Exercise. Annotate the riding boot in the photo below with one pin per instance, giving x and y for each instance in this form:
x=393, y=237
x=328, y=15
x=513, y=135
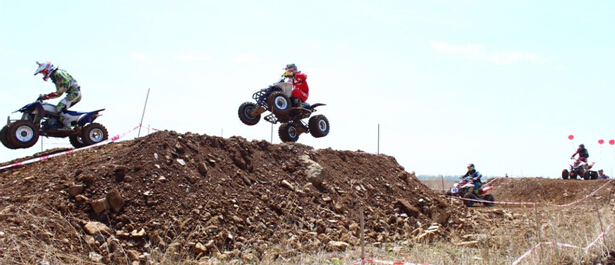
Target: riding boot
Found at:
x=65, y=120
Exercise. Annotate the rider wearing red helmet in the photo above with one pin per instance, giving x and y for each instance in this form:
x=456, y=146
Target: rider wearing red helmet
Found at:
x=301, y=91
x=64, y=83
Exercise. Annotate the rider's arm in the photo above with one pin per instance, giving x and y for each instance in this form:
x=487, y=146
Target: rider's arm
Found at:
x=63, y=82
x=478, y=176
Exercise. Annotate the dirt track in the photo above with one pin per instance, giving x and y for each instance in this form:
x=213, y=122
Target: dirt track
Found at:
x=236, y=199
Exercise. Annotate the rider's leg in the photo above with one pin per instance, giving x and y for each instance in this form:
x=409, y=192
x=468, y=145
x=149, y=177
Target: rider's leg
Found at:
x=64, y=104
x=470, y=190
x=477, y=186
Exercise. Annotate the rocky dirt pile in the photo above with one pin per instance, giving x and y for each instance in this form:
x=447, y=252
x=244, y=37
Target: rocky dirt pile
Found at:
x=214, y=197
x=547, y=191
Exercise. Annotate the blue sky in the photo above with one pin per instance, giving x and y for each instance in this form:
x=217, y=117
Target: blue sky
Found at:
x=497, y=83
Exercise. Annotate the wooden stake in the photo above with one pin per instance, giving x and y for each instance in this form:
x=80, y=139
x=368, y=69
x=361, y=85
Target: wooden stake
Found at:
x=362, y=235
x=538, y=226
x=601, y=225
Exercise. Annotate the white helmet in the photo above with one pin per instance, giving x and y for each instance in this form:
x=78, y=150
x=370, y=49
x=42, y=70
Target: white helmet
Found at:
x=46, y=69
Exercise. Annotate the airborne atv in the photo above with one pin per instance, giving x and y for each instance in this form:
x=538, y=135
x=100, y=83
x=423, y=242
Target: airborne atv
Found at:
x=276, y=99
x=41, y=119
x=581, y=169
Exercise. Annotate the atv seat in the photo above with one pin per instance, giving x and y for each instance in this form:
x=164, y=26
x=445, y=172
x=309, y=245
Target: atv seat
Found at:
x=77, y=113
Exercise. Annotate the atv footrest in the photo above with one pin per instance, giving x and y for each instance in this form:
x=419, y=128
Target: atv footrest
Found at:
x=271, y=118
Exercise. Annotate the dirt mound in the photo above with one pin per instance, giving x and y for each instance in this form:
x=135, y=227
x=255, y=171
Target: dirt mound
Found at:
x=545, y=191
x=211, y=196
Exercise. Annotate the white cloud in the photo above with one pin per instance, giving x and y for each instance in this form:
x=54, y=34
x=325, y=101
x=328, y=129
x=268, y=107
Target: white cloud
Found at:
x=139, y=56
x=193, y=56
x=480, y=52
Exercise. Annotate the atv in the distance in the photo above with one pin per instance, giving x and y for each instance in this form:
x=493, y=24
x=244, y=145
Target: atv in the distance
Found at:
x=581, y=169
x=276, y=99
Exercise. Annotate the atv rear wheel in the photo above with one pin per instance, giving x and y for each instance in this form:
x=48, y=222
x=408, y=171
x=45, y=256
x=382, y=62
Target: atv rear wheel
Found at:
x=5, y=139
x=319, y=126
x=245, y=113
x=565, y=174
x=76, y=141
x=22, y=134
x=288, y=132
x=573, y=175
x=469, y=196
x=586, y=175
x=279, y=103
x=94, y=133
x=490, y=198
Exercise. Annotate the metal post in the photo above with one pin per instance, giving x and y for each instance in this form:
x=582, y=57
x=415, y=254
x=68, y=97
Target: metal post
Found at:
x=378, y=150
x=140, y=123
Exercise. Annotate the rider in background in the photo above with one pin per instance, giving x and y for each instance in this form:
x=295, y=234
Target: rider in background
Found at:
x=601, y=174
x=64, y=83
x=582, y=152
x=475, y=176
x=301, y=91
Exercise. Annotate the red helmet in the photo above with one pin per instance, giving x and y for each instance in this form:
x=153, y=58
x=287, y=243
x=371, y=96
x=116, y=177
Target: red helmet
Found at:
x=46, y=69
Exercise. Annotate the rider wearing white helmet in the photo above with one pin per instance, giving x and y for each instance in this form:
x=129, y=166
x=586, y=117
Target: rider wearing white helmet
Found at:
x=64, y=83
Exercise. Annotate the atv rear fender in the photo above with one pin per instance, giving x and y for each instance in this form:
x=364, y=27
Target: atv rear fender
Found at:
x=89, y=117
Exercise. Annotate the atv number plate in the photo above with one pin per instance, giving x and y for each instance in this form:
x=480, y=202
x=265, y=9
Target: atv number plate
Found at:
x=454, y=190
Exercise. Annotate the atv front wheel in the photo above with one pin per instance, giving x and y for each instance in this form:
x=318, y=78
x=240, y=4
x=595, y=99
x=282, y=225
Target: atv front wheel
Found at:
x=245, y=113
x=288, y=132
x=565, y=174
x=22, y=134
x=470, y=196
x=4, y=137
x=319, y=126
x=573, y=175
x=279, y=103
x=586, y=175
x=94, y=133
x=490, y=198
x=593, y=175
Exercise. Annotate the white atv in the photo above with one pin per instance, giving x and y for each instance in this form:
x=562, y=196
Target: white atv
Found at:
x=41, y=119
x=277, y=99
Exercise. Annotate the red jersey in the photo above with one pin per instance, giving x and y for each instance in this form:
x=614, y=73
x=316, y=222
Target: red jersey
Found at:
x=300, y=87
